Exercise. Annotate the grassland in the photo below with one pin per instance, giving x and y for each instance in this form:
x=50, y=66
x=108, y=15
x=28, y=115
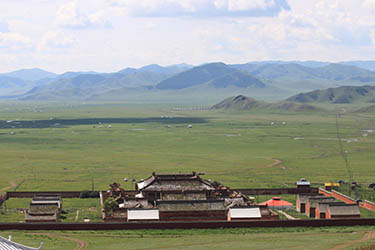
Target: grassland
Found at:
x=67, y=146
x=233, y=148
x=276, y=238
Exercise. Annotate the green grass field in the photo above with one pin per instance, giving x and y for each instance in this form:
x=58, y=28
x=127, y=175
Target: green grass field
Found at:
x=276, y=238
x=233, y=148
x=56, y=147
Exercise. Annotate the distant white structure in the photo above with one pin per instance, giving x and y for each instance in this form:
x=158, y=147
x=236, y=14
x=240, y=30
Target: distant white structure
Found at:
x=284, y=123
x=109, y=126
x=143, y=214
x=190, y=126
x=244, y=213
x=272, y=123
x=12, y=133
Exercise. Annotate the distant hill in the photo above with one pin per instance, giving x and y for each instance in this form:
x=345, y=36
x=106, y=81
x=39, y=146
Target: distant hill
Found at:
x=293, y=106
x=169, y=70
x=11, y=82
x=71, y=74
x=331, y=71
x=338, y=72
x=12, y=85
x=273, y=71
x=30, y=74
x=267, y=80
x=369, y=65
x=83, y=86
x=368, y=109
x=155, y=68
x=310, y=64
x=219, y=75
x=345, y=94
x=241, y=102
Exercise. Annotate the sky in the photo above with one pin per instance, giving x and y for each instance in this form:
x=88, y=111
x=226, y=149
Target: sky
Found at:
x=109, y=35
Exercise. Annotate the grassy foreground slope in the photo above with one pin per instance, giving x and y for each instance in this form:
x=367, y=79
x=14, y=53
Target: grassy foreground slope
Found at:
x=277, y=238
x=236, y=148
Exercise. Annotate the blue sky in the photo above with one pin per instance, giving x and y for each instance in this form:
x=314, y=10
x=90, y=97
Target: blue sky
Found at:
x=108, y=35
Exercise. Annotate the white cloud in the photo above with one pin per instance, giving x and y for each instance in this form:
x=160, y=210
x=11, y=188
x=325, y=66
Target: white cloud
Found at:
x=14, y=41
x=56, y=40
x=201, y=8
x=243, y=5
x=70, y=16
x=372, y=36
x=195, y=31
x=4, y=27
x=369, y=4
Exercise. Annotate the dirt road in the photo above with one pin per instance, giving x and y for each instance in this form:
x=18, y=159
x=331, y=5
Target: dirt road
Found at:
x=12, y=185
x=274, y=163
x=366, y=237
x=81, y=244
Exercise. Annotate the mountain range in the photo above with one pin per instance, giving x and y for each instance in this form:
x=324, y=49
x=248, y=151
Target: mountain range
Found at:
x=268, y=80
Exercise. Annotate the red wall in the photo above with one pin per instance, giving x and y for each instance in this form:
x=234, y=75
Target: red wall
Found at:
x=343, y=197
x=324, y=192
x=188, y=224
x=368, y=205
x=338, y=196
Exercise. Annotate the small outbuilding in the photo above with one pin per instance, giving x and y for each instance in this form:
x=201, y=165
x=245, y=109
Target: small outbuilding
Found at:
x=302, y=200
x=313, y=202
x=143, y=214
x=244, y=213
x=343, y=210
x=329, y=186
x=303, y=186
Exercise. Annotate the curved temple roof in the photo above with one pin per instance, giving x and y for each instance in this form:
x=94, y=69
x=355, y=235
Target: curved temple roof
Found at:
x=10, y=245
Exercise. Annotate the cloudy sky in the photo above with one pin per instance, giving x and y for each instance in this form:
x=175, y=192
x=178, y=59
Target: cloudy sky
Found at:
x=108, y=35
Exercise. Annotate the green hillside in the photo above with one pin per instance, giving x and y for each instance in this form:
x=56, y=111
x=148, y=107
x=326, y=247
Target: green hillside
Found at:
x=241, y=102
x=218, y=74
x=208, y=83
x=85, y=85
x=345, y=94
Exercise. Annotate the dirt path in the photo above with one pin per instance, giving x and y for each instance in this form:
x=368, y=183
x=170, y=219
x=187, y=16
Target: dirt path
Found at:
x=366, y=237
x=12, y=185
x=81, y=244
x=274, y=163
x=288, y=216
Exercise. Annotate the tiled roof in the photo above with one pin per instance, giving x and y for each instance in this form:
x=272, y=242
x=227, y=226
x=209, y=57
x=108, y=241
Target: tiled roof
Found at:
x=276, y=202
x=344, y=209
x=171, y=182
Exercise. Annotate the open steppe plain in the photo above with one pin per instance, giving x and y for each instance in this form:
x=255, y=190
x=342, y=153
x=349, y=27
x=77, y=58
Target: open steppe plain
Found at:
x=71, y=146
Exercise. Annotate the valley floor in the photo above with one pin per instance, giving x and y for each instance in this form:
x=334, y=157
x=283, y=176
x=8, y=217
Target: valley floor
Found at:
x=72, y=147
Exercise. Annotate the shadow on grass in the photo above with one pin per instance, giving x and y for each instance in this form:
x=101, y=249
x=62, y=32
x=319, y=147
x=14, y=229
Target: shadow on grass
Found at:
x=97, y=121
